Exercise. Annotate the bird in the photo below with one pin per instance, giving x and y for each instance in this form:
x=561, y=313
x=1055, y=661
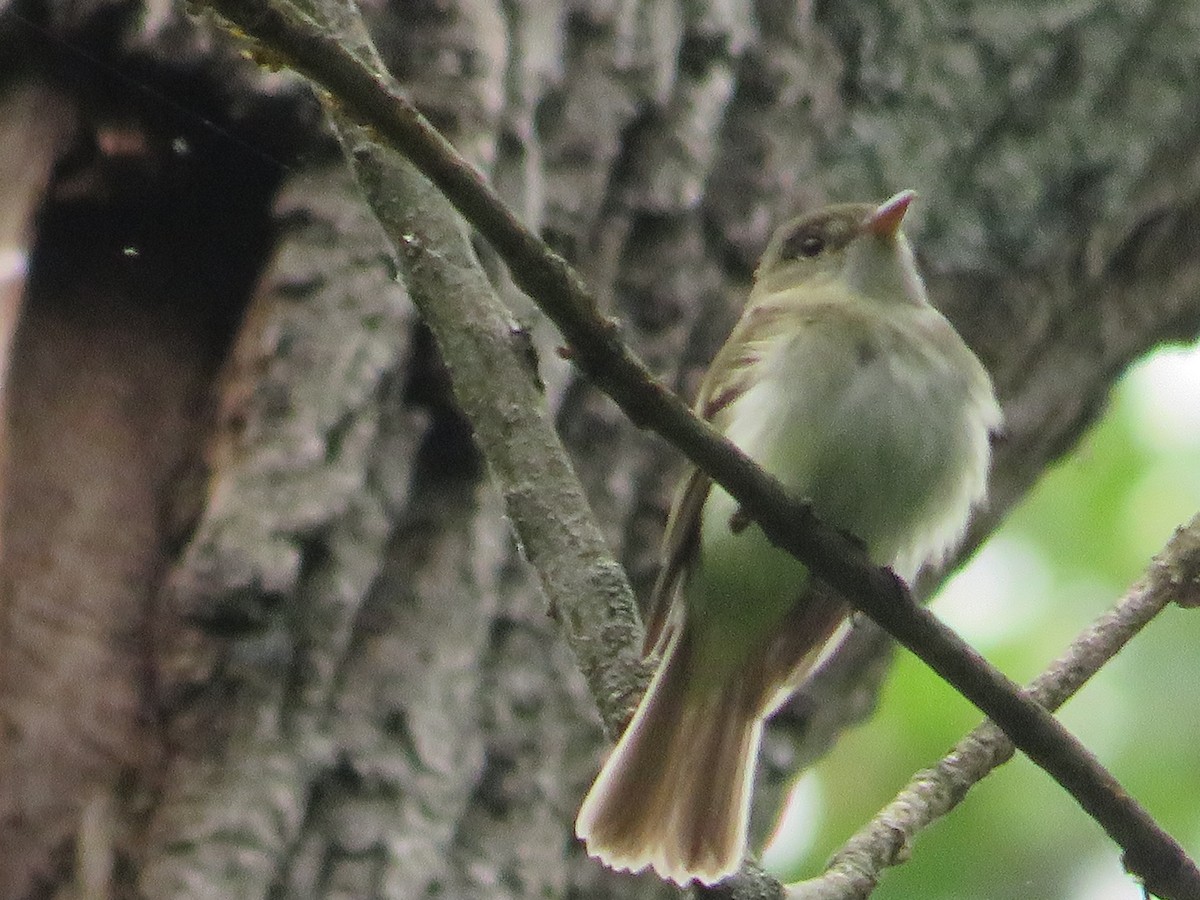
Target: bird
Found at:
x=844, y=382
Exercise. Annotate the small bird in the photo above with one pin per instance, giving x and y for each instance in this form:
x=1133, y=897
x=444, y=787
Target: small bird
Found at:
x=843, y=382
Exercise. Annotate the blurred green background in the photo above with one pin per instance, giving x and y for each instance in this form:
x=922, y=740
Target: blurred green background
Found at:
x=1064, y=556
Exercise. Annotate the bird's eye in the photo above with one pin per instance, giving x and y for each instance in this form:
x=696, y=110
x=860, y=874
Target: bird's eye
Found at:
x=811, y=246
x=803, y=244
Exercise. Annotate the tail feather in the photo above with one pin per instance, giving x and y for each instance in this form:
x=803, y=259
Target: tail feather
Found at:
x=675, y=792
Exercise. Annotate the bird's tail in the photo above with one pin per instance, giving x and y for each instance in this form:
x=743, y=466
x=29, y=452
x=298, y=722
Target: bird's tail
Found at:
x=675, y=792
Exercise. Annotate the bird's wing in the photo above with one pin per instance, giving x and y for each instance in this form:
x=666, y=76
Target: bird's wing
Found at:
x=730, y=375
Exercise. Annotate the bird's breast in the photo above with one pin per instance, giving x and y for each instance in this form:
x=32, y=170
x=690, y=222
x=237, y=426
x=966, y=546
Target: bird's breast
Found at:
x=884, y=432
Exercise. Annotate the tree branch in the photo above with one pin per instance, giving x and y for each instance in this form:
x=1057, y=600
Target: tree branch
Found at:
x=855, y=869
x=285, y=35
x=495, y=382
x=494, y=375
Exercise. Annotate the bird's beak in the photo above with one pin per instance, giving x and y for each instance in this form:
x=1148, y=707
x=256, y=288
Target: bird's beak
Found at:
x=885, y=221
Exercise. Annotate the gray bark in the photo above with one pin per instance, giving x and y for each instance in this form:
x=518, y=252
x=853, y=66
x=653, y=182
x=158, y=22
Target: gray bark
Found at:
x=265, y=631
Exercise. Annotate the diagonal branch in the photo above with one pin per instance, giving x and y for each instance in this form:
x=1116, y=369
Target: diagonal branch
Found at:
x=285, y=35
x=1173, y=576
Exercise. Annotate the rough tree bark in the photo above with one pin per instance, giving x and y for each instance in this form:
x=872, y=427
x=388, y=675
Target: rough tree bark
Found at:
x=264, y=631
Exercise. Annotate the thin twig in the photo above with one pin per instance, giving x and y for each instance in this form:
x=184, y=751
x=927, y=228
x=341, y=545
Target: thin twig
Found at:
x=288, y=36
x=855, y=869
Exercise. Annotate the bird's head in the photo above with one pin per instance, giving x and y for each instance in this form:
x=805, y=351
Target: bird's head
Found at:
x=861, y=243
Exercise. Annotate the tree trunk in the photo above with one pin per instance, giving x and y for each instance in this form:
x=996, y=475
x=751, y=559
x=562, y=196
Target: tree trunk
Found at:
x=263, y=629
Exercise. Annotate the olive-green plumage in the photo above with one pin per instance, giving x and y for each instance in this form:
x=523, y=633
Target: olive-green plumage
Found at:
x=843, y=382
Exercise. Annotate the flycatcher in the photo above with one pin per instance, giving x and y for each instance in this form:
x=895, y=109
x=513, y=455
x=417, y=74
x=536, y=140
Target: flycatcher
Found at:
x=843, y=382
